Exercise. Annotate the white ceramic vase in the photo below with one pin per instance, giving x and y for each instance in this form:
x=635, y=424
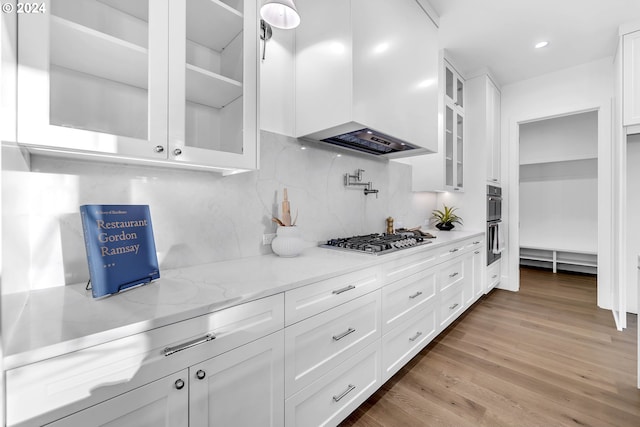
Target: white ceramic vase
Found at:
x=287, y=242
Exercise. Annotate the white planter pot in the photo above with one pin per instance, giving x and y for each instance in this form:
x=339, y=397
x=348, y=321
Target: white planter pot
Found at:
x=287, y=242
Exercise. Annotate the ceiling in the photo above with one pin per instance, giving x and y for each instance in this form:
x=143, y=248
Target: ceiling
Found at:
x=500, y=34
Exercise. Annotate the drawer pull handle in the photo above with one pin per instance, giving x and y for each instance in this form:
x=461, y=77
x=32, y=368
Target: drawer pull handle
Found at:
x=345, y=289
x=476, y=252
x=201, y=374
x=494, y=276
x=339, y=397
x=452, y=275
x=416, y=295
x=453, y=306
x=415, y=337
x=454, y=250
x=344, y=334
x=475, y=243
x=168, y=351
x=179, y=384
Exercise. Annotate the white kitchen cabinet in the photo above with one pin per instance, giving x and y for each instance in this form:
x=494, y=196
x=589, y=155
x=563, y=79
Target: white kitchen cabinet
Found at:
x=478, y=275
x=329, y=400
x=95, y=78
x=321, y=343
x=163, y=402
x=631, y=78
x=410, y=336
x=483, y=112
x=493, y=275
x=243, y=387
x=54, y=388
x=444, y=170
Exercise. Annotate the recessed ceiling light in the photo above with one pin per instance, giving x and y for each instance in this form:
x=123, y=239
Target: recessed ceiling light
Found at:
x=541, y=45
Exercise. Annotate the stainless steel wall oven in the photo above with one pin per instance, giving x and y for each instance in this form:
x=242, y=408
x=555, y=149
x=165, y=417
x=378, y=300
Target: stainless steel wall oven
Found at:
x=494, y=224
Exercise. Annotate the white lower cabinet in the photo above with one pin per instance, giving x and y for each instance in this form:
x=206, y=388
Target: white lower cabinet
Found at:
x=451, y=304
x=243, y=387
x=493, y=275
x=329, y=400
x=320, y=343
x=404, y=342
x=243, y=367
x=163, y=402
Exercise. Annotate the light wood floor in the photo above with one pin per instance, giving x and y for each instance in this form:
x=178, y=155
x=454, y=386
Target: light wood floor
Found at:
x=544, y=356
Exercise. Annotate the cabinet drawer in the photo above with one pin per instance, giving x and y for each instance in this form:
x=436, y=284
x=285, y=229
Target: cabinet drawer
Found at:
x=475, y=243
x=316, y=345
x=56, y=387
x=451, y=304
x=404, y=267
x=406, y=296
x=317, y=297
x=404, y=342
x=452, y=250
x=451, y=273
x=330, y=399
x=493, y=275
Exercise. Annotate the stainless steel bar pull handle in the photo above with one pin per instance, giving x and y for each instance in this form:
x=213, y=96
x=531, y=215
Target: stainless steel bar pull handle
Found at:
x=339, y=397
x=415, y=337
x=453, y=274
x=453, y=306
x=344, y=334
x=168, y=351
x=345, y=289
x=416, y=295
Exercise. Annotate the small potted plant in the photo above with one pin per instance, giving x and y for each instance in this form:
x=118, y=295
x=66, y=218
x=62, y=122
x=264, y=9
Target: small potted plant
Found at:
x=446, y=218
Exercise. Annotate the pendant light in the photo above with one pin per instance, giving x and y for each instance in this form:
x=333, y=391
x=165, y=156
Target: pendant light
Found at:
x=280, y=13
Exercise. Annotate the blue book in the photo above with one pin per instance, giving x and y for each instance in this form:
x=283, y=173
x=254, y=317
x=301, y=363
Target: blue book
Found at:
x=121, y=251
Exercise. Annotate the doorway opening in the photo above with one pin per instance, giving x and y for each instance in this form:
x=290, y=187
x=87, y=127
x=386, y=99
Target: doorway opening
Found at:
x=558, y=193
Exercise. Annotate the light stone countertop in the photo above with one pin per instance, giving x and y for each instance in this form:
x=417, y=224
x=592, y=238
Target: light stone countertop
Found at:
x=64, y=319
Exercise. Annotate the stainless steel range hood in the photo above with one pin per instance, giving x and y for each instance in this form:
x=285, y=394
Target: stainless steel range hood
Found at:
x=371, y=142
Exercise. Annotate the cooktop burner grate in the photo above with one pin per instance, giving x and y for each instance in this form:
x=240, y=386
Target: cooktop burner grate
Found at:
x=377, y=244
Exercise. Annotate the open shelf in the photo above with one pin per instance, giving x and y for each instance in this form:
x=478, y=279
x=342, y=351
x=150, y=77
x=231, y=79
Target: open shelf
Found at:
x=212, y=23
x=559, y=257
x=91, y=52
x=210, y=89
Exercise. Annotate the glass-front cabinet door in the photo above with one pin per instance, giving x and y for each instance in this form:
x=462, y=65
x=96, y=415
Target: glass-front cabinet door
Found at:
x=91, y=77
x=212, y=86
x=168, y=81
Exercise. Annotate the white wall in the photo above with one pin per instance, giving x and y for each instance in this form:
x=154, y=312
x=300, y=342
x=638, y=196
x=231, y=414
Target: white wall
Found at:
x=577, y=89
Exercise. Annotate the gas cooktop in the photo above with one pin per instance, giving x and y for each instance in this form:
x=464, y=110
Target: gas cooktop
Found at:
x=377, y=244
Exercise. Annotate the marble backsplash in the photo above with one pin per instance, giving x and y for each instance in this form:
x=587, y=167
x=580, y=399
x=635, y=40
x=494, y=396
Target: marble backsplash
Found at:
x=198, y=217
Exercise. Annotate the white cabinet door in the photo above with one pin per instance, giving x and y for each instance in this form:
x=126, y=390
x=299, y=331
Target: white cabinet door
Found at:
x=213, y=72
x=444, y=170
x=243, y=387
x=478, y=276
x=493, y=132
x=161, y=403
x=92, y=77
x=631, y=79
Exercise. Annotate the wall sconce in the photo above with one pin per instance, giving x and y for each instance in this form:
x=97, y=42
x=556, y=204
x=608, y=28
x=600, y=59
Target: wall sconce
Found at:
x=279, y=13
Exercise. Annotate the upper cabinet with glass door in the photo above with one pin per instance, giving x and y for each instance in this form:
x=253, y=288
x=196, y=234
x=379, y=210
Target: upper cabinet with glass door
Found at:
x=453, y=129
x=103, y=78
x=92, y=77
x=213, y=82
